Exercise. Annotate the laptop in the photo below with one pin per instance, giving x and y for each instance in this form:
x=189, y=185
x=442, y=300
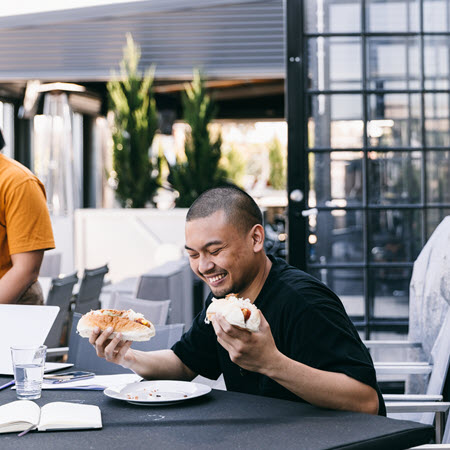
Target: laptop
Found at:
x=25, y=325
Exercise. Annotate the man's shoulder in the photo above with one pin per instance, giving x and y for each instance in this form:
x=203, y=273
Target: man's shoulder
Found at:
x=293, y=285
x=290, y=277
x=13, y=174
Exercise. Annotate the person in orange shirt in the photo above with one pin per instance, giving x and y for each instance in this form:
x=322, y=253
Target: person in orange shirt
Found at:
x=25, y=232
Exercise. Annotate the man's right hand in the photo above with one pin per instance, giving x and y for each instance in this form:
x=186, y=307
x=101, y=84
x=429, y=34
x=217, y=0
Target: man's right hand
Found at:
x=113, y=350
x=152, y=365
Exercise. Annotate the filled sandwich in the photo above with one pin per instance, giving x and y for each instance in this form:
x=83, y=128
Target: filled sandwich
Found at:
x=237, y=311
x=132, y=325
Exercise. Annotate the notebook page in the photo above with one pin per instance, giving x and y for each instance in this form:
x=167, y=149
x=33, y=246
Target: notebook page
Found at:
x=64, y=415
x=18, y=416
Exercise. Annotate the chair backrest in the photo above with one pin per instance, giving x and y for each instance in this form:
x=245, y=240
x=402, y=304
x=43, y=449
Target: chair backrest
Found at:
x=60, y=294
x=173, y=280
x=83, y=354
x=429, y=301
x=430, y=288
x=157, y=311
x=51, y=265
x=440, y=358
x=88, y=296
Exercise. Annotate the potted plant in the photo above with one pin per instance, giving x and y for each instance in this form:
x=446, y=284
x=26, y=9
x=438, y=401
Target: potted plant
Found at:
x=134, y=176
x=200, y=170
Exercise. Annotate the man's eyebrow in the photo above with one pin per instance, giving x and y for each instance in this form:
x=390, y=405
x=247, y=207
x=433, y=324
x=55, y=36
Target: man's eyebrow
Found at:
x=205, y=246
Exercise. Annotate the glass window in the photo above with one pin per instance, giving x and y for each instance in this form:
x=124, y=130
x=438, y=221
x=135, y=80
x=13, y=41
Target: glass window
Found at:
x=335, y=179
x=435, y=15
x=437, y=121
x=334, y=16
x=335, y=63
x=394, y=235
x=348, y=284
x=438, y=176
x=393, y=63
x=336, y=121
x=336, y=237
x=394, y=120
x=394, y=177
x=434, y=217
x=436, y=54
x=391, y=292
x=392, y=15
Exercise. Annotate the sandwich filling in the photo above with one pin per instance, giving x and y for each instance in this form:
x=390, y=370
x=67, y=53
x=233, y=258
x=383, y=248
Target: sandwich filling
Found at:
x=129, y=314
x=238, y=311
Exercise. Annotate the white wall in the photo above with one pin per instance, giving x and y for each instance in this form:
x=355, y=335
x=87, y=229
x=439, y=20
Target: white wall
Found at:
x=63, y=233
x=130, y=241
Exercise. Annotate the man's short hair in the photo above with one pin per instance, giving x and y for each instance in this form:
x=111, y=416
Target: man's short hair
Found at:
x=240, y=209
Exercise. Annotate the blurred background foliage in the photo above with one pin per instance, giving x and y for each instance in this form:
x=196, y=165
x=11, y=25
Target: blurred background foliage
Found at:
x=135, y=176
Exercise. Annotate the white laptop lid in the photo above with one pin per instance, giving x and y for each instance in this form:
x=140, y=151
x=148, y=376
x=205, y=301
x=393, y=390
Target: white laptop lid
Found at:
x=23, y=325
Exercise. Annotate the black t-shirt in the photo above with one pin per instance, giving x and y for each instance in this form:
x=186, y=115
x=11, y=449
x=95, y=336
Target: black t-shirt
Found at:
x=308, y=323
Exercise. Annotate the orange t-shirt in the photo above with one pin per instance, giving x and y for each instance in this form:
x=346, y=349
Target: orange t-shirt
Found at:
x=24, y=219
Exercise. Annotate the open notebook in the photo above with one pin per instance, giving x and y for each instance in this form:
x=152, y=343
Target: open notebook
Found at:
x=23, y=414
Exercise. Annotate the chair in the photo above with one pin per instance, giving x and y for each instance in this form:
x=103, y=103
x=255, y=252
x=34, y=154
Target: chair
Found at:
x=429, y=306
x=83, y=355
x=425, y=412
x=60, y=294
x=429, y=323
x=88, y=296
x=172, y=280
x=51, y=265
x=157, y=311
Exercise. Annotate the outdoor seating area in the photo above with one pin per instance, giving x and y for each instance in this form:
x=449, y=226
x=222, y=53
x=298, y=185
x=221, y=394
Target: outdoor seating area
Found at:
x=225, y=224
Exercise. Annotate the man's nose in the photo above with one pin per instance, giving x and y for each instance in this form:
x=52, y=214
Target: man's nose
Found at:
x=205, y=264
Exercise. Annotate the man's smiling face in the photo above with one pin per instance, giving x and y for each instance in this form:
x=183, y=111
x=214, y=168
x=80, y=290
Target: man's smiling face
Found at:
x=220, y=254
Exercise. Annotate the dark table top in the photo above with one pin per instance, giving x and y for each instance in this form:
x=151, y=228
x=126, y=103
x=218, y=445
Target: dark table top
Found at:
x=219, y=420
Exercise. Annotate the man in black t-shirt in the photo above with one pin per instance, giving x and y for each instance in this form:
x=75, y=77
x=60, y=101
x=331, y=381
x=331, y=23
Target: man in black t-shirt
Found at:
x=307, y=349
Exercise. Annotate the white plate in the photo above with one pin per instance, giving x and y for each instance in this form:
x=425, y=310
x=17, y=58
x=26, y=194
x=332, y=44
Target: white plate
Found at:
x=158, y=392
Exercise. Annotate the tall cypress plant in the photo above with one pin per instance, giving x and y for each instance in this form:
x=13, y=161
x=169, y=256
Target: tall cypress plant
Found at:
x=135, y=123
x=200, y=169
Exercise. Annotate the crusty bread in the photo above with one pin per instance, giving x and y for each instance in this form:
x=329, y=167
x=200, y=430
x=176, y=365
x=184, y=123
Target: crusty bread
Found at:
x=231, y=309
x=131, y=330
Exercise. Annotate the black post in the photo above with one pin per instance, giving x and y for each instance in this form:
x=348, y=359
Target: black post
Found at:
x=88, y=162
x=22, y=139
x=295, y=106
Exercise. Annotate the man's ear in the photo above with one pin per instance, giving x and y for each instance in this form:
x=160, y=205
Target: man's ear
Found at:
x=257, y=236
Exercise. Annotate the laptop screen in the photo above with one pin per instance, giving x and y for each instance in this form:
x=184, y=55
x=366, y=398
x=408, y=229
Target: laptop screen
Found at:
x=23, y=325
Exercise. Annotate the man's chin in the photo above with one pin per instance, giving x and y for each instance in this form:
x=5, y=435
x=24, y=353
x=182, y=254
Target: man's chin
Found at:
x=220, y=293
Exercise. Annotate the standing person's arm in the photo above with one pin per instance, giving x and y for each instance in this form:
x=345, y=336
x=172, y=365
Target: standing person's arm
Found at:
x=24, y=271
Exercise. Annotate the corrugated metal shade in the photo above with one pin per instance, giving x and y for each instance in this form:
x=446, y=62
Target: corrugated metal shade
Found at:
x=227, y=39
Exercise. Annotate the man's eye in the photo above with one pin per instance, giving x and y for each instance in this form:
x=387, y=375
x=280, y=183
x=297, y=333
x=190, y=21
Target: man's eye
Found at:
x=215, y=252
x=193, y=256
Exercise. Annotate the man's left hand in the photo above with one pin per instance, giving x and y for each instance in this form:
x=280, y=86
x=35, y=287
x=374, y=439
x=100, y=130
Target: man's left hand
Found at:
x=255, y=352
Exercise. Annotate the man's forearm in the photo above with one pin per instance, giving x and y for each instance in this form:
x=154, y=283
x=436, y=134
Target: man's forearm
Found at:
x=13, y=284
x=24, y=271
x=321, y=388
x=159, y=365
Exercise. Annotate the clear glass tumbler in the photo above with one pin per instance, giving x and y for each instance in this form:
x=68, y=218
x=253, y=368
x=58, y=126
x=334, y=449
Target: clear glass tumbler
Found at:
x=28, y=364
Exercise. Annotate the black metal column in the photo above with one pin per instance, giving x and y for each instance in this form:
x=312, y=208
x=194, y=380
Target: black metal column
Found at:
x=296, y=116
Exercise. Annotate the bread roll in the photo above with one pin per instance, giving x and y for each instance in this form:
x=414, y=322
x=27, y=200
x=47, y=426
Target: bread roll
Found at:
x=125, y=322
x=233, y=309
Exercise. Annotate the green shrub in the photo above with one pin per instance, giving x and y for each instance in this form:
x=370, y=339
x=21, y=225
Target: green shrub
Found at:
x=200, y=169
x=135, y=123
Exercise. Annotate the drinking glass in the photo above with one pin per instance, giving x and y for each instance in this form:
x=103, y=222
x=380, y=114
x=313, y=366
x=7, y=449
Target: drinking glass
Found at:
x=28, y=364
